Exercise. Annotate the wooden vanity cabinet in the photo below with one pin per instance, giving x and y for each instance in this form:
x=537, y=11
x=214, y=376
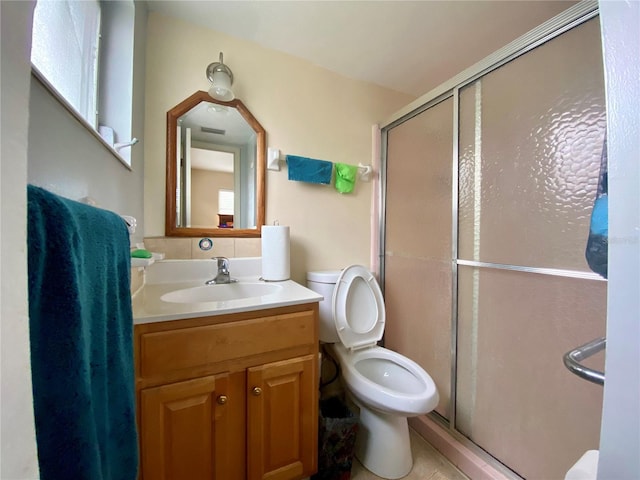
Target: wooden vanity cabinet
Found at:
x=229, y=397
x=187, y=429
x=282, y=433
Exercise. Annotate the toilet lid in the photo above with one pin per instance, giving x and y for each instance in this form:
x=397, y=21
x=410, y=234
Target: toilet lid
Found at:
x=358, y=308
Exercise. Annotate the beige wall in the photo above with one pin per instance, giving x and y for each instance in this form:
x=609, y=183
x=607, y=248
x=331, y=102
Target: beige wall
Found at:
x=305, y=110
x=204, y=195
x=18, y=452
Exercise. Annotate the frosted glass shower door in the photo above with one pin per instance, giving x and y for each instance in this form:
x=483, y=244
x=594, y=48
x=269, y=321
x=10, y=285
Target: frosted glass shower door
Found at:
x=418, y=243
x=531, y=139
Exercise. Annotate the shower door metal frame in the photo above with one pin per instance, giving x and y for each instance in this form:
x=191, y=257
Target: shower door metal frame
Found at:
x=571, y=18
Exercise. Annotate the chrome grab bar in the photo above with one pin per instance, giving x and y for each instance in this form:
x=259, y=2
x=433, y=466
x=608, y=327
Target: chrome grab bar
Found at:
x=572, y=359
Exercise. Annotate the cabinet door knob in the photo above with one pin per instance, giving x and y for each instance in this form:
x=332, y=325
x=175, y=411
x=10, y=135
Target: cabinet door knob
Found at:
x=222, y=399
x=257, y=391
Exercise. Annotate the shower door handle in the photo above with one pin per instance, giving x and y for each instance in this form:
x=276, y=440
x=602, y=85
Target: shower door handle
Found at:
x=572, y=360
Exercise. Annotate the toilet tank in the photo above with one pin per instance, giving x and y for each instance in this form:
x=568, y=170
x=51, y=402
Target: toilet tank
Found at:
x=324, y=282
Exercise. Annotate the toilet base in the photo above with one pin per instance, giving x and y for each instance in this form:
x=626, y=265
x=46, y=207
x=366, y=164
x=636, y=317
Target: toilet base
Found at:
x=382, y=443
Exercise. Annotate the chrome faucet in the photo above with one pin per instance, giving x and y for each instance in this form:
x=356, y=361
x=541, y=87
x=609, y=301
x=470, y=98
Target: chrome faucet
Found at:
x=223, y=275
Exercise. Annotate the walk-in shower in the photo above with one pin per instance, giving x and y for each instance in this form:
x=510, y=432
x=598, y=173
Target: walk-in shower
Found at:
x=488, y=188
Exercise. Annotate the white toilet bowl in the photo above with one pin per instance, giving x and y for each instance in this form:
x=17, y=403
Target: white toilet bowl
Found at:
x=386, y=386
x=387, y=381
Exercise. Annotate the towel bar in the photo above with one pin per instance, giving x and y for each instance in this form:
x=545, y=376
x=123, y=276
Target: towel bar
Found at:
x=572, y=360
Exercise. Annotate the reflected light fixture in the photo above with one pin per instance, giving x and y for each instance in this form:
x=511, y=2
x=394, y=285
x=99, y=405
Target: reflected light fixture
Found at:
x=216, y=109
x=221, y=79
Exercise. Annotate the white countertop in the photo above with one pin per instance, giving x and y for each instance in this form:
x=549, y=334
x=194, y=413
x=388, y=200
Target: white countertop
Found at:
x=148, y=307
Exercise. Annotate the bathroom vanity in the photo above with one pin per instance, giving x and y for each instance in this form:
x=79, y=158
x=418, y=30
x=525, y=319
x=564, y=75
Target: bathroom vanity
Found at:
x=230, y=392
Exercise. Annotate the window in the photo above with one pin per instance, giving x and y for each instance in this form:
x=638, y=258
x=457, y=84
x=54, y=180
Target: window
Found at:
x=225, y=202
x=83, y=52
x=65, y=50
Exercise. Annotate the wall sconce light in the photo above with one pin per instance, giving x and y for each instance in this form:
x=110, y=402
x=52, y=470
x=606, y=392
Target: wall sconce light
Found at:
x=221, y=79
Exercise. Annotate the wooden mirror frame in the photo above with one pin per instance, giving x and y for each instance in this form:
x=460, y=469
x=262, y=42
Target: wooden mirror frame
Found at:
x=171, y=230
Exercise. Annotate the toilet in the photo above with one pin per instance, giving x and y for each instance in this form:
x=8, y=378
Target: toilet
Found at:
x=386, y=386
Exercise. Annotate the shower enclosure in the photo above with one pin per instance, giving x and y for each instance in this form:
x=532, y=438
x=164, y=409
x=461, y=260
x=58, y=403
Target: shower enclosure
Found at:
x=488, y=189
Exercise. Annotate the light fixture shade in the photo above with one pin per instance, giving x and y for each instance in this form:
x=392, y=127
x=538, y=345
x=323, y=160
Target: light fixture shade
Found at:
x=221, y=79
x=221, y=87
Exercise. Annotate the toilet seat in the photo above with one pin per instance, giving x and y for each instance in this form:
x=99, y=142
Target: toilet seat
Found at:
x=401, y=387
x=358, y=308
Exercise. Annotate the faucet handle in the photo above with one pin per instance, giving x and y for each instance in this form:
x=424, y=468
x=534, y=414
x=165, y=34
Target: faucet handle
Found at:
x=223, y=263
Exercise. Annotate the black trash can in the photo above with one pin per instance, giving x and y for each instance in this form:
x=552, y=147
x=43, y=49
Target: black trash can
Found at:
x=336, y=440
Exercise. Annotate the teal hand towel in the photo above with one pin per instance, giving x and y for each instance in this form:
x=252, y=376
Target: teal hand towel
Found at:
x=81, y=331
x=345, y=177
x=304, y=169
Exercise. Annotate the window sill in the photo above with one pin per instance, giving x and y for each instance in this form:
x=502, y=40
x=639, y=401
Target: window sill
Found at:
x=40, y=78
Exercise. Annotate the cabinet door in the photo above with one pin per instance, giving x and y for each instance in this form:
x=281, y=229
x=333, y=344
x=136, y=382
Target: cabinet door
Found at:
x=185, y=428
x=282, y=430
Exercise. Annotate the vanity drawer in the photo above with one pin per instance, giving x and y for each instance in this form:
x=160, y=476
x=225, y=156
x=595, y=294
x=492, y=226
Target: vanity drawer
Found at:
x=195, y=347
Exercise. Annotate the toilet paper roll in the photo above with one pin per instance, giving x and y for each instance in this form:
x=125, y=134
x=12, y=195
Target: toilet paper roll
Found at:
x=275, y=253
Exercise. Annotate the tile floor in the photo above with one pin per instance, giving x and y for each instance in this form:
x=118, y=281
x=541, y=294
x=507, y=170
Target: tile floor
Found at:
x=428, y=464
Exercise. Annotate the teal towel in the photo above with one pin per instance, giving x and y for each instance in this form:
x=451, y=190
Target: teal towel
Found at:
x=304, y=169
x=81, y=328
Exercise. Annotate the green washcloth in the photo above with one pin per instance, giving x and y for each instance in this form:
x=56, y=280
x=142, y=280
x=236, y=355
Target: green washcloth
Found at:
x=141, y=253
x=345, y=177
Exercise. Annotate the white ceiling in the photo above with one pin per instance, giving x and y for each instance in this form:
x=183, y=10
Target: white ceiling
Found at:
x=408, y=46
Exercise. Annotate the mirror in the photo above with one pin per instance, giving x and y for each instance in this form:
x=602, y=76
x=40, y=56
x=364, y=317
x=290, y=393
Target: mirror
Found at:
x=215, y=169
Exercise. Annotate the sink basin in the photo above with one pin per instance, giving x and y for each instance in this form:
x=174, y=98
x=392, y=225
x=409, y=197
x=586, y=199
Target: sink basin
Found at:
x=221, y=293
